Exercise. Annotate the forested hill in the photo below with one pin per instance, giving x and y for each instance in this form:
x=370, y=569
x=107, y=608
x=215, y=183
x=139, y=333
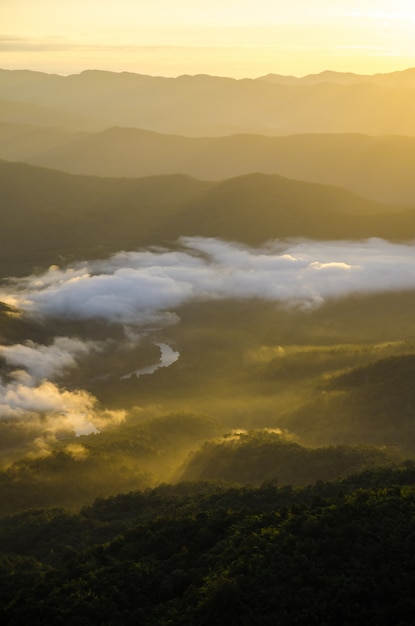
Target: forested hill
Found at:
x=203, y=553
x=79, y=216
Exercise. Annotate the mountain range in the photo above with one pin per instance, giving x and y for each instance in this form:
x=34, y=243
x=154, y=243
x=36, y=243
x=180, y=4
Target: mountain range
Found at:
x=376, y=167
x=209, y=105
x=85, y=216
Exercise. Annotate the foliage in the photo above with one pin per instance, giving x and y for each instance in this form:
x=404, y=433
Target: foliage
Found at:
x=340, y=552
x=374, y=403
x=135, y=455
x=256, y=456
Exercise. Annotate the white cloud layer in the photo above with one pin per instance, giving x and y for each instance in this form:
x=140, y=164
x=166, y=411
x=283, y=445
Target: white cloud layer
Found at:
x=132, y=287
x=61, y=409
x=135, y=288
x=47, y=362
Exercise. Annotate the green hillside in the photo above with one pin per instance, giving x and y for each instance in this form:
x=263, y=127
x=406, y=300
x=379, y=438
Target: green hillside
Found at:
x=333, y=553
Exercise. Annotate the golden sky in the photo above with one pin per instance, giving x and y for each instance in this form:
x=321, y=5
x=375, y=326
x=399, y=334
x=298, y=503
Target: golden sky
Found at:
x=223, y=37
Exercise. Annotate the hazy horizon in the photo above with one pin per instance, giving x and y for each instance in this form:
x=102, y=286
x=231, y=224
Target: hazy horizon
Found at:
x=195, y=74
x=235, y=39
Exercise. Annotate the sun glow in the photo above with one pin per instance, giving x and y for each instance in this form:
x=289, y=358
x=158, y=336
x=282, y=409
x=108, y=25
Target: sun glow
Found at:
x=227, y=37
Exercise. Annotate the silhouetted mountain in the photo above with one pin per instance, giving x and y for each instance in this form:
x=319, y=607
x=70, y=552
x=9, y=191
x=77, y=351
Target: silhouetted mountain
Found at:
x=209, y=105
x=89, y=216
x=49, y=215
x=376, y=167
x=258, y=207
x=404, y=78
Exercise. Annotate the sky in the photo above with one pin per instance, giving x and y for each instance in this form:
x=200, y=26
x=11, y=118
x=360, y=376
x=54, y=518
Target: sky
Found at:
x=239, y=38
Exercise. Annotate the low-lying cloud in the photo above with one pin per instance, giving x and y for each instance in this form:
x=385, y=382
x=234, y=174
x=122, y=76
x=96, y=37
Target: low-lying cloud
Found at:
x=134, y=287
x=60, y=409
x=47, y=362
x=145, y=287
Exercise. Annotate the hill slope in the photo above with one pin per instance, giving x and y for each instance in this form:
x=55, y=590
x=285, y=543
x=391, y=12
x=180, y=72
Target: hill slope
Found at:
x=84, y=217
x=339, y=553
x=372, y=403
x=376, y=167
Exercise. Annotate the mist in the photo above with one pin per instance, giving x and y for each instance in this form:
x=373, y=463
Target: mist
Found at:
x=143, y=292
x=143, y=287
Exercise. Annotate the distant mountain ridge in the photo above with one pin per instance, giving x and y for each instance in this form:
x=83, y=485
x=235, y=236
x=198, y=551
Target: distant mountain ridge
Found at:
x=345, y=78
x=381, y=168
x=213, y=106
